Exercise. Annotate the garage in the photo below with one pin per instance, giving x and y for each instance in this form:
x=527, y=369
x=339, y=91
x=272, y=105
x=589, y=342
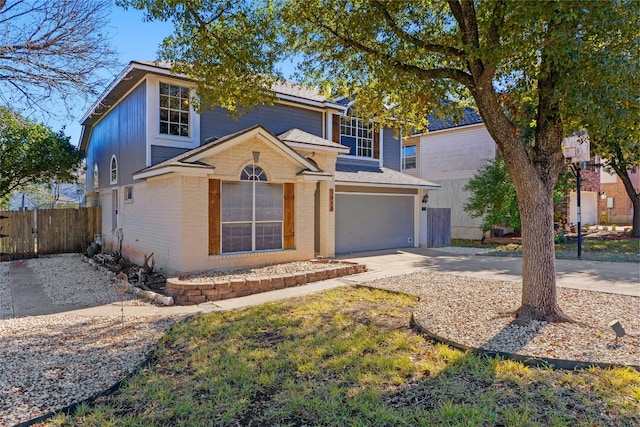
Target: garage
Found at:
x=366, y=222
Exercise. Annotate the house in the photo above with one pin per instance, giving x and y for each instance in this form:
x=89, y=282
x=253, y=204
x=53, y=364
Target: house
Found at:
x=614, y=204
x=203, y=191
x=51, y=196
x=603, y=198
x=451, y=153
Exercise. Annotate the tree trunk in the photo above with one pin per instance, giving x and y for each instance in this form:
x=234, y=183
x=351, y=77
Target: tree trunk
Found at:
x=539, y=297
x=635, y=232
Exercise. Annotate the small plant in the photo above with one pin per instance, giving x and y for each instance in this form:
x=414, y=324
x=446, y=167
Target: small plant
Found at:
x=613, y=227
x=587, y=226
x=605, y=228
x=560, y=237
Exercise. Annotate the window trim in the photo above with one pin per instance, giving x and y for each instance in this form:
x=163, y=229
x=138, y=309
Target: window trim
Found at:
x=414, y=156
x=180, y=111
x=113, y=170
x=128, y=194
x=255, y=175
x=215, y=219
x=357, y=124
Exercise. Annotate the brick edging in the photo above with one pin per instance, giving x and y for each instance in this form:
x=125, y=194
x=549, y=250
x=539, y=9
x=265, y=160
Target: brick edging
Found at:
x=189, y=293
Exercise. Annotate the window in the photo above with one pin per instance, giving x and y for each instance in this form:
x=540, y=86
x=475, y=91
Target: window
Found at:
x=114, y=170
x=128, y=194
x=174, y=110
x=96, y=176
x=409, y=157
x=358, y=134
x=252, y=212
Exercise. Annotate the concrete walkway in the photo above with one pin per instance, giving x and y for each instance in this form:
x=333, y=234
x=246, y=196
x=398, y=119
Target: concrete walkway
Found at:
x=29, y=298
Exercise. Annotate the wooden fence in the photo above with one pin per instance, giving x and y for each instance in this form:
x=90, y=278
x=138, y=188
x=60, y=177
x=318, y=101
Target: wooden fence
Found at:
x=28, y=234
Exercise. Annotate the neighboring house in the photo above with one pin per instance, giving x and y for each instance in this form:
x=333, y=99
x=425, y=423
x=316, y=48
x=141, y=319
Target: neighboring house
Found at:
x=603, y=198
x=60, y=196
x=451, y=153
x=203, y=191
x=614, y=204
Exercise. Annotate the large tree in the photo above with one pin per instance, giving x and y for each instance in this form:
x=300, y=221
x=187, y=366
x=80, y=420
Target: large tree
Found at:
x=31, y=154
x=52, y=53
x=516, y=61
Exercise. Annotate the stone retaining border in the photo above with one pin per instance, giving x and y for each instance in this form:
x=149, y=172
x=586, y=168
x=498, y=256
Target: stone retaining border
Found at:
x=185, y=292
x=137, y=292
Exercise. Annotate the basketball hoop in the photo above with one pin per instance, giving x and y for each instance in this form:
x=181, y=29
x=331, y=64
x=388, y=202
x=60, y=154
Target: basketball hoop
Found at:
x=576, y=149
x=569, y=154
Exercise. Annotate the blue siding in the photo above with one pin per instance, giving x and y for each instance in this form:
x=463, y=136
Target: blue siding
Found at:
x=358, y=162
x=390, y=150
x=121, y=132
x=276, y=118
x=160, y=153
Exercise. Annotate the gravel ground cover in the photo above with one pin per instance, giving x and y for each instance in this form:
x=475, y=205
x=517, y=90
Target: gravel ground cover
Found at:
x=256, y=272
x=50, y=362
x=65, y=278
x=477, y=313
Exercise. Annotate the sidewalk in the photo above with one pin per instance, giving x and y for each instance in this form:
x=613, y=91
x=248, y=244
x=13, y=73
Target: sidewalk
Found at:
x=29, y=298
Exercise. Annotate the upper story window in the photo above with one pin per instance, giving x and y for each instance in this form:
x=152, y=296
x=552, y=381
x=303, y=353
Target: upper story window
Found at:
x=174, y=110
x=409, y=157
x=357, y=133
x=114, y=170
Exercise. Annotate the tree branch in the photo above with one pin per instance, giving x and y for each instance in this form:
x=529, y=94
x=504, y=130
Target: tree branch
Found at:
x=450, y=73
x=417, y=42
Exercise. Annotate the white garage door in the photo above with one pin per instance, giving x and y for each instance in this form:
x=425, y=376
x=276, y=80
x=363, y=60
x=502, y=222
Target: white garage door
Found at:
x=366, y=222
x=588, y=207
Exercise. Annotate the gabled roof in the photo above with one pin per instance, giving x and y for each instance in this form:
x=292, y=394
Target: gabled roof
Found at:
x=192, y=161
x=470, y=117
x=373, y=176
x=297, y=138
x=286, y=87
x=136, y=70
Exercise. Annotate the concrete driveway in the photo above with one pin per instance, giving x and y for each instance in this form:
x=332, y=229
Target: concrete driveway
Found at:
x=613, y=277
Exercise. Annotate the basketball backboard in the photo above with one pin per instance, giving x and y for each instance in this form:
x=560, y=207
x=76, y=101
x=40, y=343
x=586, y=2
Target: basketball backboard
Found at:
x=576, y=149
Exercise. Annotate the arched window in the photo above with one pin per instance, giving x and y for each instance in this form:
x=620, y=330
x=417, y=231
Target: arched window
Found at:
x=253, y=173
x=96, y=176
x=252, y=212
x=114, y=170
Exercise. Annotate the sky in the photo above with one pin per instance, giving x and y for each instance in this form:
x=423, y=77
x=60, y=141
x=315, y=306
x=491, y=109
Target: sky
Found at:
x=132, y=38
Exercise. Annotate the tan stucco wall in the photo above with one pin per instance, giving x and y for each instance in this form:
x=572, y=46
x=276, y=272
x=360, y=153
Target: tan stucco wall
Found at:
x=169, y=214
x=229, y=163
